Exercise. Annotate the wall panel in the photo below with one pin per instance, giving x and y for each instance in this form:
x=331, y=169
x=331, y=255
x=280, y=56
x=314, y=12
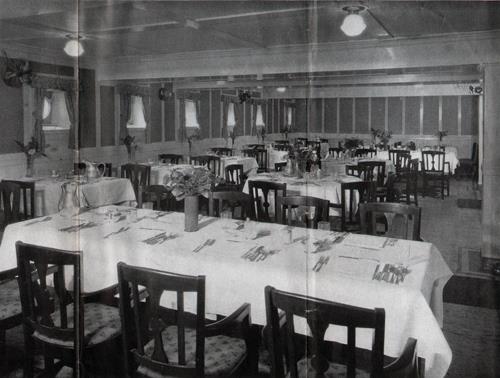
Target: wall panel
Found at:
x=107, y=96
x=412, y=116
x=469, y=115
x=431, y=115
x=316, y=115
x=86, y=108
x=395, y=115
x=301, y=116
x=205, y=114
x=345, y=115
x=330, y=115
x=276, y=116
x=361, y=116
x=155, y=115
x=450, y=114
x=169, y=119
x=216, y=114
x=269, y=116
x=378, y=113
x=11, y=118
x=248, y=118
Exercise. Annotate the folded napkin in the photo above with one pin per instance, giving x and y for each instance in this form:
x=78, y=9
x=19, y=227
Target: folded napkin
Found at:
x=365, y=241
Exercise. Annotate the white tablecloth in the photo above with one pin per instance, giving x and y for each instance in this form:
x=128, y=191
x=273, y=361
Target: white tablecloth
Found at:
x=337, y=166
x=449, y=156
x=275, y=156
x=93, y=193
x=411, y=307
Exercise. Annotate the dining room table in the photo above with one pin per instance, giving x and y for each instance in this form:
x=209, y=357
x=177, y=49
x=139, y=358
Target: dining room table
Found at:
x=240, y=258
x=161, y=172
x=92, y=192
x=450, y=156
x=332, y=165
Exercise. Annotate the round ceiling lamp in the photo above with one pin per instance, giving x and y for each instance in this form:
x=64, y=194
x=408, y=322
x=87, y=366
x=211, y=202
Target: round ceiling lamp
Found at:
x=74, y=47
x=353, y=24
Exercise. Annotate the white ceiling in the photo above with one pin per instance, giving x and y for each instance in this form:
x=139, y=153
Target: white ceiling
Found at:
x=113, y=28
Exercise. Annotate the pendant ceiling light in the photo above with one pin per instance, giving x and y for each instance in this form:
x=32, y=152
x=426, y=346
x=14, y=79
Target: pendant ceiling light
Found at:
x=74, y=47
x=353, y=24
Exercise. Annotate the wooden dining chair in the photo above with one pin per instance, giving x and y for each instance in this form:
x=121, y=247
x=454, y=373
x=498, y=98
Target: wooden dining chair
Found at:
x=27, y=198
x=235, y=176
x=259, y=191
x=169, y=158
x=470, y=167
x=315, y=144
x=223, y=151
x=213, y=163
x=433, y=172
x=406, y=183
x=56, y=320
x=365, y=152
x=323, y=140
x=79, y=168
x=395, y=157
x=10, y=200
x=289, y=204
x=281, y=147
x=301, y=141
x=255, y=145
x=178, y=343
x=282, y=141
x=138, y=174
x=260, y=155
x=405, y=223
x=293, y=355
x=161, y=198
x=335, y=151
x=351, y=195
x=232, y=200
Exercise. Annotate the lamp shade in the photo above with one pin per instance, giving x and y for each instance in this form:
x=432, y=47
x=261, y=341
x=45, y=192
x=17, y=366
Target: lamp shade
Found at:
x=74, y=48
x=353, y=25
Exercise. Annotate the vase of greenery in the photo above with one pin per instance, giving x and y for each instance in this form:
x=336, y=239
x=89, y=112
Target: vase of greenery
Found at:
x=131, y=145
x=31, y=151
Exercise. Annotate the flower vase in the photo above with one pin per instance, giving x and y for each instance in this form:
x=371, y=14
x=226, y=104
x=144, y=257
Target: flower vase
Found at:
x=131, y=155
x=191, y=213
x=29, y=166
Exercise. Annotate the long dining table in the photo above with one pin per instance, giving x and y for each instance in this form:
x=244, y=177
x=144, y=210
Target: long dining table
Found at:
x=239, y=258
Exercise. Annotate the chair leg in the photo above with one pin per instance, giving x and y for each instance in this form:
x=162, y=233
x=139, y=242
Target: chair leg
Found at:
x=3, y=364
x=29, y=351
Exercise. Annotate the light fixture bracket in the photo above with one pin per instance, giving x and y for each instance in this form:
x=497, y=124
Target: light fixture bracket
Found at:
x=354, y=9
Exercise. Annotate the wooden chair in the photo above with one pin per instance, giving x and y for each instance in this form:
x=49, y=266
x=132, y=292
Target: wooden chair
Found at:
x=58, y=320
x=224, y=151
x=161, y=198
x=301, y=141
x=169, y=158
x=470, y=167
x=314, y=144
x=323, y=140
x=396, y=155
x=256, y=145
x=10, y=311
x=27, y=198
x=407, y=181
x=283, y=141
x=235, y=176
x=335, y=151
x=178, y=343
x=139, y=175
x=213, y=163
x=321, y=210
x=372, y=171
x=260, y=155
x=312, y=356
x=433, y=164
x=405, y=223
x=364, y=191
x=261, y=204
x=232, y=200
x=365, y=152
x=281, y=147
x=10, y=200
x=280, y=166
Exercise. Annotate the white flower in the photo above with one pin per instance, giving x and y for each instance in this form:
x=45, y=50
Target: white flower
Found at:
x=31, y=151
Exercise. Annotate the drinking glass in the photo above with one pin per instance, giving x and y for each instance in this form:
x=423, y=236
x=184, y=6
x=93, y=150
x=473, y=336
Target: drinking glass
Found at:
x=323, y=225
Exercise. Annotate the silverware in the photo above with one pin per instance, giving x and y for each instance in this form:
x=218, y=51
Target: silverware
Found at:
x=375, y=272
x=46, y=219
x=323, y=260
x=207, y=243
x=123, y=229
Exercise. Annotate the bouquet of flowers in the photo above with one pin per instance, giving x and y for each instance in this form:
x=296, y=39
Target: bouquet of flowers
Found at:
x=383, y=136
x=352, y=143
x=31, y=149
x=190, y=181
x=441, y=135
x=129, y=142
x=192, y=135
x=285, y=130
x=261, y=133
x=232, y=135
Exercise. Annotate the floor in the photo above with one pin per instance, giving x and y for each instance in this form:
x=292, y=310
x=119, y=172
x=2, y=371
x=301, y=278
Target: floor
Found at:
x=472, y=332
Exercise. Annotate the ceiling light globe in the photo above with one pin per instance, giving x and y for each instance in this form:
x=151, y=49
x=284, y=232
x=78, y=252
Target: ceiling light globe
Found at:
x=353, y=25
x=74, y=48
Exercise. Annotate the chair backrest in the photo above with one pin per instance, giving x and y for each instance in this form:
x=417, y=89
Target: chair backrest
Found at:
x=261, y=157
x=35, y=265
x=213, y=163
x=353, y=193
x=475, y=153
x=134, y=313
x=281, y=147
x=219, y=200
x=319, y=314
x=262, y=188
x=404, y=225
x=105, y=169
x=335, y=151
x=255, y=145
x=156, y=194
x=234, y=175
x=353, y=170
x=10, y=200
x=321, y=209
x=365, y=152
x=139, y=175
x=27, y=198
x=225, y=151
x=433, y=161
x=402, y=164
x=170, y=158
x=283, y=141
x=395, y=154
x=373, y=171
